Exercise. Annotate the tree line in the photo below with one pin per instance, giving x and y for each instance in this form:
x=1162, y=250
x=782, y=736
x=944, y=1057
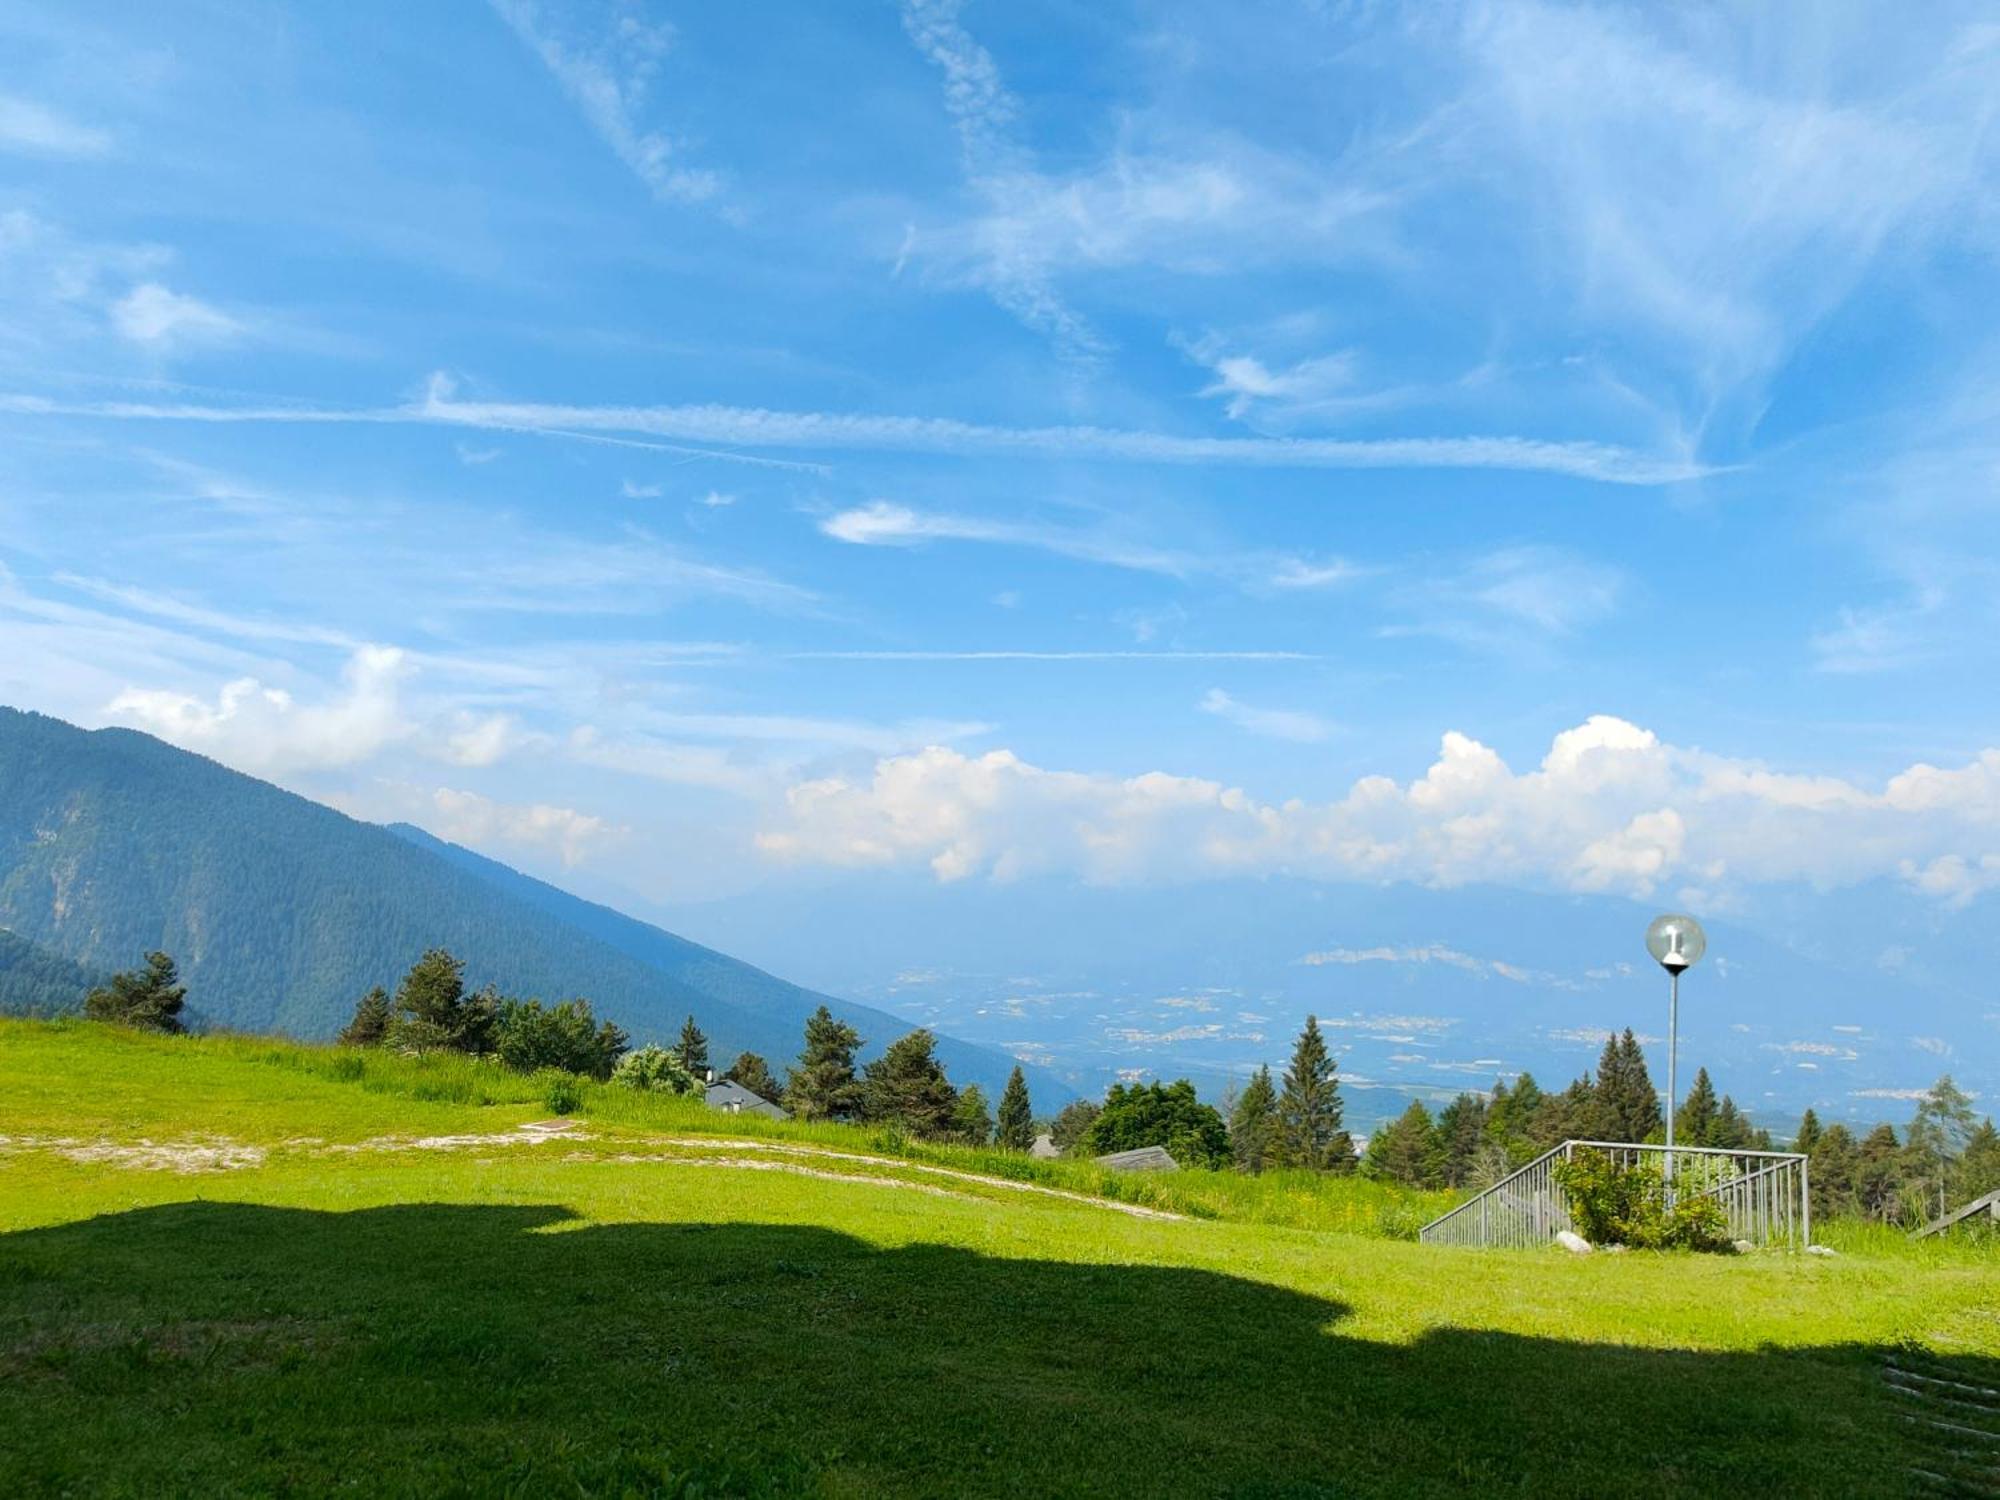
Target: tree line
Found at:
x=1945, y=1156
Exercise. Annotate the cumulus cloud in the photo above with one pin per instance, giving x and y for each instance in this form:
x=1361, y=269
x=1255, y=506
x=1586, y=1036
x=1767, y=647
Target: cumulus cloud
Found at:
x=1610, y=808
x=468, y=818
x=266, y=728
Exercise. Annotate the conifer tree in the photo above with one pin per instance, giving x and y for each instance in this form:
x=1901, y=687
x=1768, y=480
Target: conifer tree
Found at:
x=1731, y=1130
x=1808, y=1136
x=822, y=1086
x=1309, y=1110
x=907, y=1086
x=1694, y=1121
x=370, y=1026
x=1878, y=1174
x=1017, y=1116
x=753, y=1073
x=1070, y=1130
x=1253, y=1125
x=1833, y=1167
x=692, y=1049
x=970, y=1120
x=1633, y=1100
x=1407, y=1150
x=149, y=998
x=1979, y=1167
x=433, y=1013
x=1461, y=1128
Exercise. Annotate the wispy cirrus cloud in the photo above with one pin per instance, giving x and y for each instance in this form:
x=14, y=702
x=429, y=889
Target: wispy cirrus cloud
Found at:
x=34, y=129
x=1293, y=724
x=756, y=428
x=607, y=71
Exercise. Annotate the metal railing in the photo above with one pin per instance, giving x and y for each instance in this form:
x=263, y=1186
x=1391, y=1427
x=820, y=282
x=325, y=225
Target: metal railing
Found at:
x=1765, y=1196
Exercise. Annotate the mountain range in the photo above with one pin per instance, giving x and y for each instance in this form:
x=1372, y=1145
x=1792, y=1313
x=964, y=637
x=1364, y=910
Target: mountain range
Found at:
x=282, y=912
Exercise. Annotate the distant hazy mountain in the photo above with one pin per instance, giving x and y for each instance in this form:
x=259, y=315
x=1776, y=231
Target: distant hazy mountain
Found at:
x=1841, y=1002
x=281, y=912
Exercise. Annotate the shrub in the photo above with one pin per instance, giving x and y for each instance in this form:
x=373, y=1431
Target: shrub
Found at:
x=655, y=1069
x=564, y=1094
x=1615, y=1205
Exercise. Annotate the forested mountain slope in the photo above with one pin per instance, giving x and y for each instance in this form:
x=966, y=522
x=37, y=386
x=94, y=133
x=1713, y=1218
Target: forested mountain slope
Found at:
x=282, y=911
x=36, y=982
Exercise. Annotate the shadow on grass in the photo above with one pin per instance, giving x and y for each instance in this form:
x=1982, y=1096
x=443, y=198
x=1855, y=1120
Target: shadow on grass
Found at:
x=213, y=1348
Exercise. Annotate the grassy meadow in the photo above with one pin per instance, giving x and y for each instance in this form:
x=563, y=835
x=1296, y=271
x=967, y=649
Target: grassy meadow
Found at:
x=235, y=1266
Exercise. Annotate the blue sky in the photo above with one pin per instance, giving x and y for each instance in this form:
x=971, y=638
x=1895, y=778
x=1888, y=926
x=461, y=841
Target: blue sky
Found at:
x=690, y=450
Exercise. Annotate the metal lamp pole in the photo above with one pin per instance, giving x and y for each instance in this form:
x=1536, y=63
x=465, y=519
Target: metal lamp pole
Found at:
x=1675, y=943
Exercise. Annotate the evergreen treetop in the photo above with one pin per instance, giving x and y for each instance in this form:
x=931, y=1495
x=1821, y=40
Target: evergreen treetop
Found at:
x=692, y=1049
x=822, y=1086
x=1253, y=1125
x=907, y=1086
x=1017, y=1116
x=150, y=998
x=1309, y=1109
x=370, y=1026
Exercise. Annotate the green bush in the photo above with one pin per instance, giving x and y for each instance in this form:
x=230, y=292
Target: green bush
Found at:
x=564, y=1094
x=1616, y=1205
x=655, y=1070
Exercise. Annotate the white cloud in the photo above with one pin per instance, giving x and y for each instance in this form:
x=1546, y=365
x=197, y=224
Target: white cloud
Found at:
x=634, y=491
x=608, y=76
x=756, y=428
x=468, y=818
x=1245, y=384
x=477, y=741
x=1273, y=723
x=1704, y=185
x=264, y=728
x=1609, y=808
x=28, y=127
x=715, y=500
x=150, y=314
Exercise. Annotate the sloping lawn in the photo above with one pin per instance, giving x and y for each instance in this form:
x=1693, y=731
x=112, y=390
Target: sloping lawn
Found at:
x=458, y=1311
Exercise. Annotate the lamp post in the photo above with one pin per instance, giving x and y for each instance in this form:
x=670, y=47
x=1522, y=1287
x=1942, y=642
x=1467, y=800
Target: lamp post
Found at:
x=1676, y=943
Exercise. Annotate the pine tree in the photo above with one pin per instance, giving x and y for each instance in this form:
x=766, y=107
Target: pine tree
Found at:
x=822, y=1086
x=970, y=1120
x=1309, y=1110
x=1017, y=1116
x=433, y=1013
x=1808, y=1136
x=1070, y=1130
x=370, y=1026
x=753, y=1073
x=907, y=1086
x=1731, y=1130
x=1979, y=1167
x=1253, y=1125
x=1576, y=1114
x=1461, y=1129
x=692, y=1049
x=1407, y=1150
x=1878, y=1175
x=1943, y=1124
x=1834, y=1165
x=149, y=999
x=1694, y=1121
x=1638, y=1102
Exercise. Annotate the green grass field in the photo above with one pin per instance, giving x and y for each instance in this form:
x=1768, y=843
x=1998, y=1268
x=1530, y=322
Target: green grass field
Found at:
x=239, y=1267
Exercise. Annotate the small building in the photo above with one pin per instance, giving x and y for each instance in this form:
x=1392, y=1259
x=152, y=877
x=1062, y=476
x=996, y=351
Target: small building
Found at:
x=1145, y=1159
x=734, y=1099
x=1044, y=1148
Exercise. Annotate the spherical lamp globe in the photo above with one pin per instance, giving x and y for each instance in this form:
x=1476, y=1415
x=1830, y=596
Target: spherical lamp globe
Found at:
x=1676, y=942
